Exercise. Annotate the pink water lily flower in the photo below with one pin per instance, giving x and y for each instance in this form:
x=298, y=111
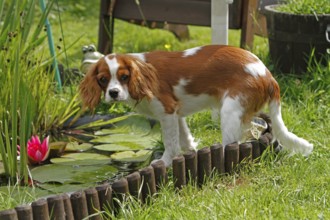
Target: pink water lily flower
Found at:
x=37, y=151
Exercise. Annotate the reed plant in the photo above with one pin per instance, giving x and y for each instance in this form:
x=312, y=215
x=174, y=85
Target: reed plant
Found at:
x=29, y=101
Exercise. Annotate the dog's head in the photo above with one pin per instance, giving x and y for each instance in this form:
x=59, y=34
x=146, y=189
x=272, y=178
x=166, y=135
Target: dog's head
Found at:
x=121, y=78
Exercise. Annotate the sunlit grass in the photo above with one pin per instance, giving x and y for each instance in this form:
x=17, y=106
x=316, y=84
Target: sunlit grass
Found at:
x=281, y=188
x=312, y=7
x=14, y=195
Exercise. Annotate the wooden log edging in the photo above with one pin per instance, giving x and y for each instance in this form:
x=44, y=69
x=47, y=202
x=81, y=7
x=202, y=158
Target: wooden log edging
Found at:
x=134, y=184
x=190, y=159
x=24, y=211
x=217, y=158
x=56, y=207
x=204, y=166
x=79, y=204
x=179, y=172
x=190, y=168
x=148, y=188
x=104, y=193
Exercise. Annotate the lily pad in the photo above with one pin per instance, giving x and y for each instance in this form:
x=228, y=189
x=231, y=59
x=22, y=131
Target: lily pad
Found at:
x=81, y=159
x=54, y=188
x=135, y=140
x=130, y=160
x=111, y=147
x=55, y=173
x=137, y=124
x=75, y=146
x=120, y=142
x=131, y=156
x=57, y=148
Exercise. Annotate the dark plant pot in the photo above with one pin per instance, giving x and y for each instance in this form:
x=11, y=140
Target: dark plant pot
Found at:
x=292, y=38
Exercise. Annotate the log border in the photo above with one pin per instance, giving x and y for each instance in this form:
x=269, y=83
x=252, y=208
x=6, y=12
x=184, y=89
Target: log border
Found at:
x=190, y=168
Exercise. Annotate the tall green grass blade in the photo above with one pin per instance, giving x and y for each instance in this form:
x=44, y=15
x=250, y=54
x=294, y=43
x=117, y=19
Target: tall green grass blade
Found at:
x=22, y=137
x=71, y=110
x=27, y=108
x=8, y=18
x=15, y=107
x=11, y=172
x=3, y=152
x=40, y=25
x=2, y=4
x=28, y=19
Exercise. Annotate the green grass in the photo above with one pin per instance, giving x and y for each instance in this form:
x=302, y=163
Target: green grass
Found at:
x=305, y=7
x=280, y=187
x=285, y=188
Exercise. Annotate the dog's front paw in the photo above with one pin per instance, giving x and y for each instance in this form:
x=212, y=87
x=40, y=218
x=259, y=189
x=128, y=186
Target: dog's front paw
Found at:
x=192, y=146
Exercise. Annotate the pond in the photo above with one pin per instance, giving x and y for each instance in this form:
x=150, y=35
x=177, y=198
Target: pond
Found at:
x=97, y=149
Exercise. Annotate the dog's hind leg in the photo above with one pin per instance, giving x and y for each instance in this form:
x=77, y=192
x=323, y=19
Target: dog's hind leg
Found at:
x=170, y=130
x=186, y=139
x=231, y=123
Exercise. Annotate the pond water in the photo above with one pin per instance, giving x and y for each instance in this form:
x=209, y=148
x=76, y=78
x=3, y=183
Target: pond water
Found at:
x=97, y=150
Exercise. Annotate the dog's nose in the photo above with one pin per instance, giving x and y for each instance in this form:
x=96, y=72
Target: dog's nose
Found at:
x=114, y=93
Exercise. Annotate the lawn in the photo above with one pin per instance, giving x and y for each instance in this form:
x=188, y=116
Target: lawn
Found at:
x=279, y=187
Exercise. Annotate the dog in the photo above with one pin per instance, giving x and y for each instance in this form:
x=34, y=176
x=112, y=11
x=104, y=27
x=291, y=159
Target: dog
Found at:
x=168, y=86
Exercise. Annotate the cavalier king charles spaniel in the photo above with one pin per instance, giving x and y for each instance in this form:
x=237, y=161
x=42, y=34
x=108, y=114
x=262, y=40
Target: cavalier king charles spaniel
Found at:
x=168, y=86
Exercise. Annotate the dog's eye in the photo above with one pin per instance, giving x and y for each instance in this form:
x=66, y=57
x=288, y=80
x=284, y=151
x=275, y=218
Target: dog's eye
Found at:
x=124, y=77
x=103, y=81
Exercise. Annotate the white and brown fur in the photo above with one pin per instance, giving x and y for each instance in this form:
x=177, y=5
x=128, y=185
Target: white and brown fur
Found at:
x=168, y=86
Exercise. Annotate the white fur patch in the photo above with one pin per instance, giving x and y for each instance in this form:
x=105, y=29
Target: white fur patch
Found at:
x=140, y=56
x=187, y=141
x=191, y=52
x=231, y=124
x=188, y=103
x=170, y=132
x=153, y=108
x=286, y=138
x=113, y=65
x=256, y=69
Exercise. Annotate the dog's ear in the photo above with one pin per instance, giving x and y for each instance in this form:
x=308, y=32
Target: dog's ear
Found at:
x=89, y=89
x=143, y=80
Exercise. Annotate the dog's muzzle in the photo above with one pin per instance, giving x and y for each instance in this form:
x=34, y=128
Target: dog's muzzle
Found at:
x=114, y=93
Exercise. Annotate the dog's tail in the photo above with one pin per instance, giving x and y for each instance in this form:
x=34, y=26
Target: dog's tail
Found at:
x=280, y=132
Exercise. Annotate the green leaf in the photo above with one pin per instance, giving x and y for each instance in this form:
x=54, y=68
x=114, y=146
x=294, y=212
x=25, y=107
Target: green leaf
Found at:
x=132, y=141
x=131, y=156
x=75, y=146
x=100, y=123
x=111, y=147
x=134, y=133
x=133, y=124
x=130, y=160
x=55, y=173
x=55, y=188
x=81, y=159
